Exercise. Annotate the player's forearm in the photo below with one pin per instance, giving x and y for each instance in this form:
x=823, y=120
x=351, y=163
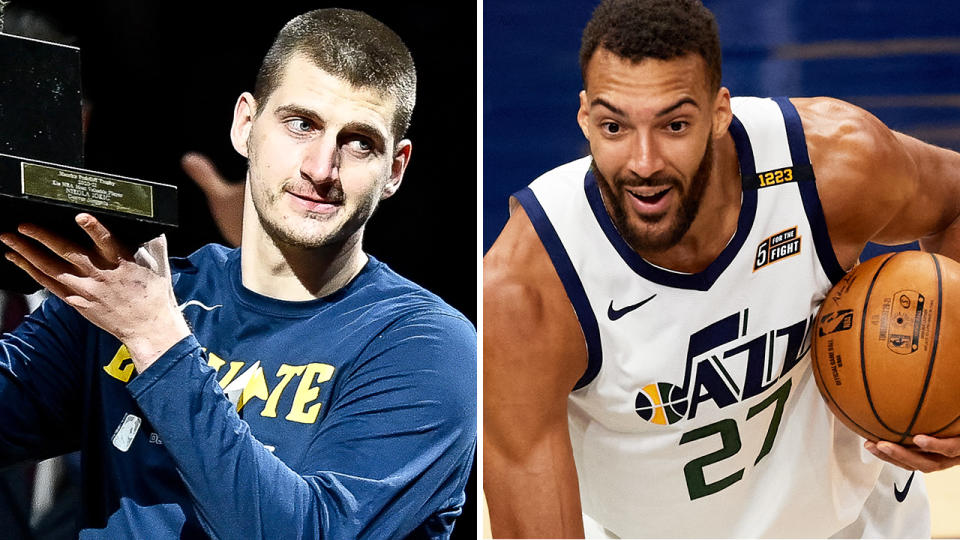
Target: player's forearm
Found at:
x=537, y=497
x=946, y=242
x=155, y=338
x=937, y=200
x=239, y=489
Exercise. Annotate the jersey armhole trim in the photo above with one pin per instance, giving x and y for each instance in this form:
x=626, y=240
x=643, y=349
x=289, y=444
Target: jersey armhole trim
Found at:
x=808, y=192
x=570, y=279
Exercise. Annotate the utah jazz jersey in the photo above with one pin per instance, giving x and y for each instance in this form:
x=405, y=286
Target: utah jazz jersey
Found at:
x=698, y=415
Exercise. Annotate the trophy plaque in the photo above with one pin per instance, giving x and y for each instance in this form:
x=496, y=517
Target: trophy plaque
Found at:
x=42, y=179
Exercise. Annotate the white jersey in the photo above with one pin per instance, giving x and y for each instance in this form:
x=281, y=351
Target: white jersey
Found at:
x=698, y=415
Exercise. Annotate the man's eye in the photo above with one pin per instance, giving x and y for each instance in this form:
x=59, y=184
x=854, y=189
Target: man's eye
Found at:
x=299, y=125
x=677, y=126
x=610, y=127
x=360, y=146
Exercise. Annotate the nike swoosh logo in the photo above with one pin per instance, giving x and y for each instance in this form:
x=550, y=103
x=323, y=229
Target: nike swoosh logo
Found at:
x=614, y=314
x=199, y=303
x=901, y=495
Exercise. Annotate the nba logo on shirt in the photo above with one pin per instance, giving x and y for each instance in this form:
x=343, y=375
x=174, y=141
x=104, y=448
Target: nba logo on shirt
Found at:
x=126, y=432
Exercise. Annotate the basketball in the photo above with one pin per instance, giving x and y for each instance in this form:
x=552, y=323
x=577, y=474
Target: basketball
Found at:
x=885, y=349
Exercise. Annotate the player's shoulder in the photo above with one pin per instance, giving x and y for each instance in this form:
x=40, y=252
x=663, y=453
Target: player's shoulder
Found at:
x=566, y=176
x=517, y=270
x=842, y=137
x=210, y=255
x=517, y=258
x=416, y=331
x=863, y=171
x=200, y=270
x=397, y=297
x=576, y=169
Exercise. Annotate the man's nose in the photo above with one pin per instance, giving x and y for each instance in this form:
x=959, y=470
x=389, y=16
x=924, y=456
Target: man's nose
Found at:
x=646, y=158
x=321, y=161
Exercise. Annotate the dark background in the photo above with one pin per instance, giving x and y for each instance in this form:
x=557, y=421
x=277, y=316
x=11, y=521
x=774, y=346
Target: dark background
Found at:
x=162, y=78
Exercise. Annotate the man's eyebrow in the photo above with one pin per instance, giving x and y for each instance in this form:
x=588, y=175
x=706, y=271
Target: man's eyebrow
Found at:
x=677, y=105
x=363, y=128
x=368, y=130
x=297, y=110
x=616, y=110
x=604, y=103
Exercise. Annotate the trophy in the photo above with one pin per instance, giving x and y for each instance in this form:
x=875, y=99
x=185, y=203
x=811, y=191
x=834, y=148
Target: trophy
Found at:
x=42, y=179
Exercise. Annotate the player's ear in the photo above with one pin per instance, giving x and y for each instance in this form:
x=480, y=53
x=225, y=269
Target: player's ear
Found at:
x=243, y=114
x=583, y=115
x=722, y=113
x=401, y=158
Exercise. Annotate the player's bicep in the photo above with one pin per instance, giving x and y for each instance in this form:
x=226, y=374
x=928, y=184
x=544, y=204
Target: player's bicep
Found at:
x=910, y=189
x=533, y=353
x=934, y=208
x=533, y=349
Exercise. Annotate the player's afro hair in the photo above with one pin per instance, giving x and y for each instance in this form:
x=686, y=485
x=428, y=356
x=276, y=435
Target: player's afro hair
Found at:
x=661, y=29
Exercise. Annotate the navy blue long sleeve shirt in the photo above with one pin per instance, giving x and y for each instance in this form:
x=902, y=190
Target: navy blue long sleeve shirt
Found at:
x=350, y=416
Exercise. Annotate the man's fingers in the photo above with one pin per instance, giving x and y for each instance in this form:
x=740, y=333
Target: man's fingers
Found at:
x=947, y=446
x=48, y=253
x=203, y=172
x=914, y=459
x=106, y=244
x=872, y=447
x=62, y=291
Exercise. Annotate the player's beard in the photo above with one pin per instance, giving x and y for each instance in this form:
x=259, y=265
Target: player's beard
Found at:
x=343, y=227
x=326, y=230
x=650, y=240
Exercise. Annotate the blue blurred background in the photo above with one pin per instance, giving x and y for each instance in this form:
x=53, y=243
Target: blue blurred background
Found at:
x=899, y=60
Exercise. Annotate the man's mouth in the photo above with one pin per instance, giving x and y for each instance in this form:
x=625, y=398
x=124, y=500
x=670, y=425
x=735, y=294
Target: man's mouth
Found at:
x=314, y=202
x=650, y=199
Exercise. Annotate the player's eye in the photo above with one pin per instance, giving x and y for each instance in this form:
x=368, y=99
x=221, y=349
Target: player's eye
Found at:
x=610, y=127
x=299, y=125
x=359, y=146
x=677, y=126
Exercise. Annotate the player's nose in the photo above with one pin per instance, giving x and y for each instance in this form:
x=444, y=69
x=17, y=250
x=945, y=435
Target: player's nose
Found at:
x=321, y=161
x=645, y=156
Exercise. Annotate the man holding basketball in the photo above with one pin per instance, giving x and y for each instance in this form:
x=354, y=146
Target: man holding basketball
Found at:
x=294, y=388
x=647, y=310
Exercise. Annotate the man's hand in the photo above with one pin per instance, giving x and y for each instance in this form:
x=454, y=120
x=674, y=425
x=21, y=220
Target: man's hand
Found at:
x=225, y=199
x=932, y=454
x=126, y=294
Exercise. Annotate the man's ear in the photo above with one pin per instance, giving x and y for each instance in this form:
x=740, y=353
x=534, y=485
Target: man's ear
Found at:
x=583, y=115
x=401, y=158
x=722, y=113
x=243, y=114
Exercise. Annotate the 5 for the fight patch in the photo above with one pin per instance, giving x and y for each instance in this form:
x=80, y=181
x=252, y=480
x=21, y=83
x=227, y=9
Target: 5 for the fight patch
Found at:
x=777, y=247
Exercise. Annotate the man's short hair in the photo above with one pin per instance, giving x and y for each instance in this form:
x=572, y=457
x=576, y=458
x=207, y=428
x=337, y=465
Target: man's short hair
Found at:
x=351, y=45
x=661, y=29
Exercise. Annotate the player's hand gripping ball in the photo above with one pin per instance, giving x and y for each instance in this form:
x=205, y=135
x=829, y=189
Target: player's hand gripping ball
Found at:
x=886, y=344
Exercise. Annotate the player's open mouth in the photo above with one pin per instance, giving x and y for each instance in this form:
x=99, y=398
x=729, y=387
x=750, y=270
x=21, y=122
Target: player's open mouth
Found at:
x=650, y=200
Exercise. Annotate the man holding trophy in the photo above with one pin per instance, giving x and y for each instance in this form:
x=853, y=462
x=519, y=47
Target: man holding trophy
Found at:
x=294, y=387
